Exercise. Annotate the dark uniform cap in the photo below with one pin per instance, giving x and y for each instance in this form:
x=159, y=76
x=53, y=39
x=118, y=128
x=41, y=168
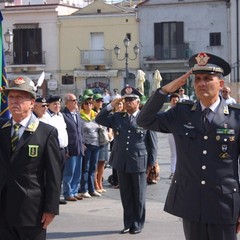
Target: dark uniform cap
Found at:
x=115, y=90
x=41, y=100
x=130, y=92
x=85, y=98
x=54, y=99
x=208, y=63
x=88, y=92
x=97, y=96
x=22, y=83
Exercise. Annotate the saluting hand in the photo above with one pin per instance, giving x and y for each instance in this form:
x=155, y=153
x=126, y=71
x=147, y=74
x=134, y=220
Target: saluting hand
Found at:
x=116, y=101
x=47, y=219
x=177, y=83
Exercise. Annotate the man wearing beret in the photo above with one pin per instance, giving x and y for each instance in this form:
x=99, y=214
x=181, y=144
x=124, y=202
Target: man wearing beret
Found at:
x=134, y=151
x=205, y=187
x=29, y=167
x=39, y=109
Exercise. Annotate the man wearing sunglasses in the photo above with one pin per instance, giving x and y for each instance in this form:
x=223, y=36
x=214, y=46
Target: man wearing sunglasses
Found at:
x=134, y=151
x=73, y=166
x=40, y=108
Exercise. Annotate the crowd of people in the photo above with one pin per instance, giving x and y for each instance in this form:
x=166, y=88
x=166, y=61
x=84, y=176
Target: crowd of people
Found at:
x=54, y=142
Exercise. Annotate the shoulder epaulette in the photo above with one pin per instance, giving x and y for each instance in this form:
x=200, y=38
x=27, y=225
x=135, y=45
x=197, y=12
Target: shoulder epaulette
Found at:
x=235, y=106
x=186, y=102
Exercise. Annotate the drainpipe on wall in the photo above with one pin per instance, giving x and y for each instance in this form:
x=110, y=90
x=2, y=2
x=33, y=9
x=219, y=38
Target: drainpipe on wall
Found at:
x=237, y=31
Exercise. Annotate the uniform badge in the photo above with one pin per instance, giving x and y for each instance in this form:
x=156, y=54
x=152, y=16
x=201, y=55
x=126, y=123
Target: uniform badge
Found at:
x=19, y=81
x=224, y=147
x=128, y=90
x=231, y=138
x=217, y=137
x=202, y=59
x=223, y=155
x=33, y=150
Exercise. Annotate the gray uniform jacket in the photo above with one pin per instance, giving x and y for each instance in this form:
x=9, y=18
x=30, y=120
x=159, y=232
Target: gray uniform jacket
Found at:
x=134, y=147
x=205, y=187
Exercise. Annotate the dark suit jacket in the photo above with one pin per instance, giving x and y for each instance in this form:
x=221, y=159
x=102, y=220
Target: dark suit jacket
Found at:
x=74, y=130
x=134, y=148
x=30, y=177
x=205, y=187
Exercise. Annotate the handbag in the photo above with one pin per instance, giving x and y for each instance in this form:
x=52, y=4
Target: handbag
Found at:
x=153, y=174
x=103, y=136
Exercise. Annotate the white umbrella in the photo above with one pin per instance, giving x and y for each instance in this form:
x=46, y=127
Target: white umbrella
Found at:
x=140, y=81
x=157, y=78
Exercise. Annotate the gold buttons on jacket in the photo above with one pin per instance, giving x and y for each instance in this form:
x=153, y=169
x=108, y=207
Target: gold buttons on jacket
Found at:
x=203, y=182
x=204, y=167
x=205, y=152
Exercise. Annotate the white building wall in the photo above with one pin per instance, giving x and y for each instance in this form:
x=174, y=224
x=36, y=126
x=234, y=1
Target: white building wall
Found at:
x=200, y=18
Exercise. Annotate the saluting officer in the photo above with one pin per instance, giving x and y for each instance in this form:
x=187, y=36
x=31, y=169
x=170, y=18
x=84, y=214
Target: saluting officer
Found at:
x=205, y=187
x=134, y=150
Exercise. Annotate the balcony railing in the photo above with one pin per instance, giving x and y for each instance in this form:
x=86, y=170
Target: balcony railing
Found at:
x=96, y=57
x=172, y=52
x=29, y=57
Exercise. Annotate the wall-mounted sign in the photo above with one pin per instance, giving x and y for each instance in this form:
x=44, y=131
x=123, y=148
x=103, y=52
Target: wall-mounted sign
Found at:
x=52, y=84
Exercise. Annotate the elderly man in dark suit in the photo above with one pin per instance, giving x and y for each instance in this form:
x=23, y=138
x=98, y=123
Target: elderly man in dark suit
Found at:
x=134, y=150
x=205, y=187
x=73, y=165
x=30, y=168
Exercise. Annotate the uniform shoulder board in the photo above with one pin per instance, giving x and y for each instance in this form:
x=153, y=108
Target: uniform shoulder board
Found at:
x=186, y=102
x=235, y=106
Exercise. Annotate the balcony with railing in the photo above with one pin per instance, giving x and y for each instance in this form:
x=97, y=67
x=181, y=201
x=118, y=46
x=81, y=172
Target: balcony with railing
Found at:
x=172, y=52
x=173, y=56
x=28, y=57
x=96, y=57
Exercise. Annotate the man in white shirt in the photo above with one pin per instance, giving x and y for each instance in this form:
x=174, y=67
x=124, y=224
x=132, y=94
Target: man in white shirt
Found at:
x=181, y=92
x=40, y=108
x=226, y=95
x=55, y=118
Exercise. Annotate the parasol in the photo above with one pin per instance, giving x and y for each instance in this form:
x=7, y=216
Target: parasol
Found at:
x=140, y=81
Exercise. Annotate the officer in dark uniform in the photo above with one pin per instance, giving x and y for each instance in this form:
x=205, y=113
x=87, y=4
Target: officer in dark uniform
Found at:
x=205, y=187
x=134, y=150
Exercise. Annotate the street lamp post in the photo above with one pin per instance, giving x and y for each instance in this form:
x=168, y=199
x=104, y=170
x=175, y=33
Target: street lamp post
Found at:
x=8, y=36
x=126, y=57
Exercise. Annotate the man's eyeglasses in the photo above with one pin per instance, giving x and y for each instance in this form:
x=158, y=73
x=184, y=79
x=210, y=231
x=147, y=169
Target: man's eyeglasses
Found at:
x=44, y=105
x=99, y=100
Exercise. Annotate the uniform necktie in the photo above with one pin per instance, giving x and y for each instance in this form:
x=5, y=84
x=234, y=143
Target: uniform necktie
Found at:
x=15, y=136
x=131, y=118
x=205, y=120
